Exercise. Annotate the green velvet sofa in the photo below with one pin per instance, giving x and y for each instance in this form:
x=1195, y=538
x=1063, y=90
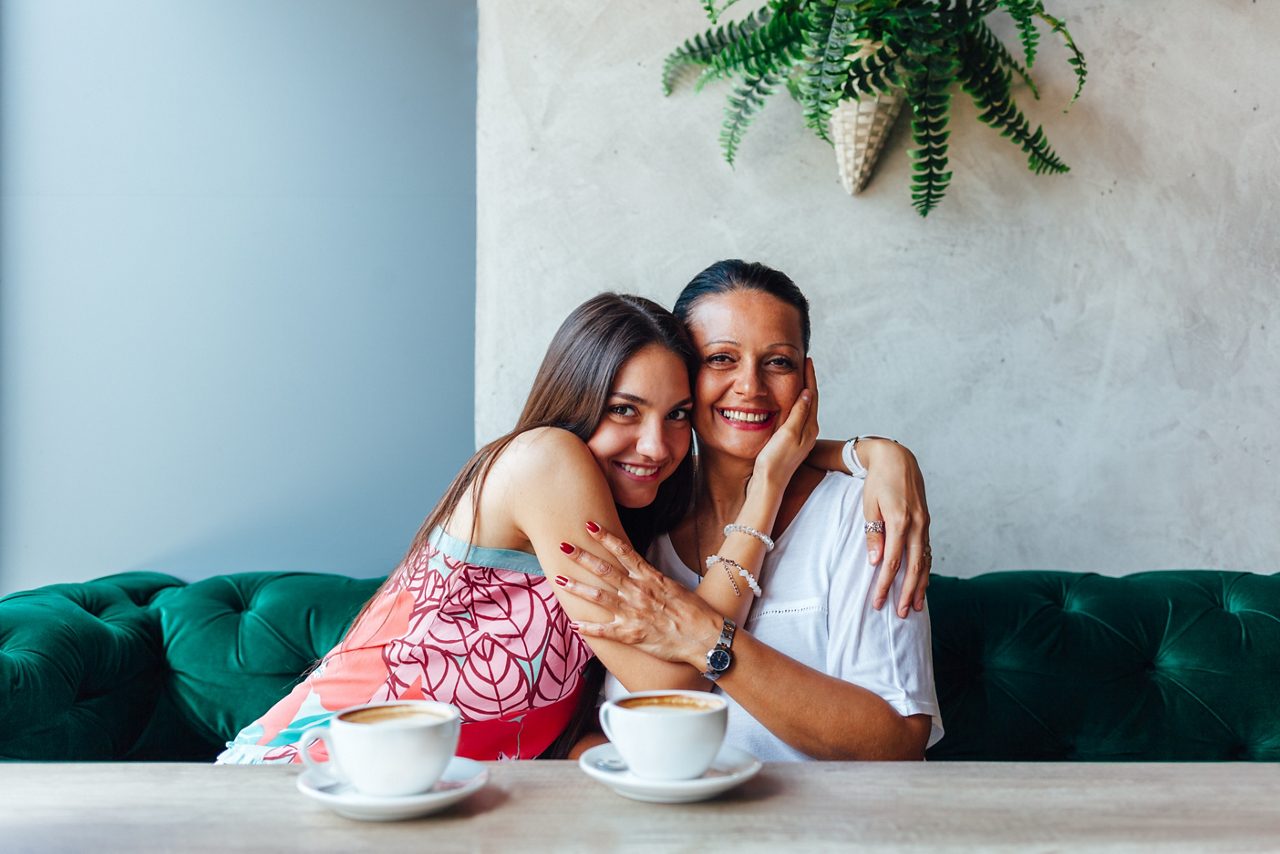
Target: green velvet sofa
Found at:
x=1177, y=665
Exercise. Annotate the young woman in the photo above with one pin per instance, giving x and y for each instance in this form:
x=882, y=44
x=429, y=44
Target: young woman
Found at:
x=817, y=671
x=469, y=617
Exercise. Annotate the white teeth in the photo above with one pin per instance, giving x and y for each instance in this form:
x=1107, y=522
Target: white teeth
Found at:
x=639, y=471
x=750, y=417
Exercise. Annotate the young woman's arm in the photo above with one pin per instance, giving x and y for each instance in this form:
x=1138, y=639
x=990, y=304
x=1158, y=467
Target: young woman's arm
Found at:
x=893, y=494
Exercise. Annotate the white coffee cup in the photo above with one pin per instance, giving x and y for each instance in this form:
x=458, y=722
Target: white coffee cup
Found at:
x=390, y=749
x=666, y=735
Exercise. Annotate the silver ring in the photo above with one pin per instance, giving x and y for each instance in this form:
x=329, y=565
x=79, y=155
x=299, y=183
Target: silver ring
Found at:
x=876, y=527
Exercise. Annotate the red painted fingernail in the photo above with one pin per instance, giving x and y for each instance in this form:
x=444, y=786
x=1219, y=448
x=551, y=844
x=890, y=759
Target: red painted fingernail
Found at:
x=561, y=580
x=566, y=548
x=593, y=527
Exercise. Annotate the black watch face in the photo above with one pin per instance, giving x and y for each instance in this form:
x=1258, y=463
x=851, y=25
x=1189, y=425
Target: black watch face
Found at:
x=719, y=660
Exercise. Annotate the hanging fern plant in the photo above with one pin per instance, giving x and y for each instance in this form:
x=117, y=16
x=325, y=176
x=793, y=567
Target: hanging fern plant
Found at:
x=835, y=53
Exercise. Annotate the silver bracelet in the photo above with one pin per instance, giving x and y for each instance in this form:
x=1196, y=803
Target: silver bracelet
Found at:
x=730, y=565
x=750, y=532
x=849, y=456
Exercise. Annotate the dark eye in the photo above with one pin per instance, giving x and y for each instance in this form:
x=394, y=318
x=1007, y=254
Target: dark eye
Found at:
x=782, y=362
x=678, y=415
x=623, y=409
x=719, y=359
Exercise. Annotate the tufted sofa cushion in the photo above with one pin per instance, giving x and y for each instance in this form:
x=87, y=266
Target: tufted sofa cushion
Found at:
x=144, y=666
x=1158, y=665
x=1029, y=665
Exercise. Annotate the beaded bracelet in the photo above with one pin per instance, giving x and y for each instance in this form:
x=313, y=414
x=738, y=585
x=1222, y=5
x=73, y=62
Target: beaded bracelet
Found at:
x=750, y=532
x=849, y=454
x=729, y=565
x=728, y=571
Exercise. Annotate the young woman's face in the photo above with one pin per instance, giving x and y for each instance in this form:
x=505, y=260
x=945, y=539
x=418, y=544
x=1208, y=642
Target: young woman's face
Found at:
x=645, y=432
x=752, y=369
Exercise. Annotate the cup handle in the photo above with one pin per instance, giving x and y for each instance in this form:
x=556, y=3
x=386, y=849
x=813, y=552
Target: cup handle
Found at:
x=328, y=768
x=604, y=721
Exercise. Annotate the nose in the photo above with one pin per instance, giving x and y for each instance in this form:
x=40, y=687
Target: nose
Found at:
x=652, y=441
x=747, y=381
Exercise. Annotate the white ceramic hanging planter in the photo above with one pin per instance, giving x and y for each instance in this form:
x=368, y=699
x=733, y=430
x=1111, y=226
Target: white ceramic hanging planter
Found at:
x=859, y=128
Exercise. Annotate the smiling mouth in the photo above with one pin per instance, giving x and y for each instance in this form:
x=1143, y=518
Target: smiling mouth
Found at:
x=748, y=419
x=638, y=472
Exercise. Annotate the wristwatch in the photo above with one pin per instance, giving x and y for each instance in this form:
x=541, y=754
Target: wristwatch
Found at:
x=720, y=657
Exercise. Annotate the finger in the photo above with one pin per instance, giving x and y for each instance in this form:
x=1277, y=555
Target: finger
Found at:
x=595, y=630
x=875, y=539
x=894, y=528
x=799, y=414
x=604, y=598
x=811, y=382
x=915, y=569
x=884, y=581
x=590, y=562
x=619, y=547
x=920, y=596
x=922, y=584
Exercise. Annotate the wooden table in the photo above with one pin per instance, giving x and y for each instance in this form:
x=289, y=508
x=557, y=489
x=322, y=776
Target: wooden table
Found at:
x=552, y=806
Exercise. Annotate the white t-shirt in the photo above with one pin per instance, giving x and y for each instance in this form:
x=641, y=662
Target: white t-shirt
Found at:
x=817, y=608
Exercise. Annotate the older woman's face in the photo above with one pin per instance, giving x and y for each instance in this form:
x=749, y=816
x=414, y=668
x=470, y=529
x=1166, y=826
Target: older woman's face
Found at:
x=752, y=369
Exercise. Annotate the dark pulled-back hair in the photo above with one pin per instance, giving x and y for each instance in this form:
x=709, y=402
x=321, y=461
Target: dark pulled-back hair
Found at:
x=571, y=391
x=735, y=275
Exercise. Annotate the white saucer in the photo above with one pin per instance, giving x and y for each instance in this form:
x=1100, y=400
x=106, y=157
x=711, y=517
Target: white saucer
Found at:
x=731, y=767
x=461, y=778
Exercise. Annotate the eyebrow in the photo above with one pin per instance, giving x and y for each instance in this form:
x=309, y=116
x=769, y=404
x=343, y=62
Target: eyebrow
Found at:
x=786, y=344
x=631, y=398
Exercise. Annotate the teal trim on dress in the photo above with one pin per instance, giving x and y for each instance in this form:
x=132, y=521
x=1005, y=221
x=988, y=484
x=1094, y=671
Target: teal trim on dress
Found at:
x=496, y=558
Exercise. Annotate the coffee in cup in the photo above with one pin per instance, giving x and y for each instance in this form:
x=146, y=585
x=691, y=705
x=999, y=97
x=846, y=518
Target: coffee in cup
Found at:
x=666, y=735
x=388, y=749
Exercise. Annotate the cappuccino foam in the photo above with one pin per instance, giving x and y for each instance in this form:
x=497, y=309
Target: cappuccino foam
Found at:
x=668, y=704
x=389, y=714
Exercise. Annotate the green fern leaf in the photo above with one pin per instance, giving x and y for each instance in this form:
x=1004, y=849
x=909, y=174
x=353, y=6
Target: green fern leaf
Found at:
x=988, y=41
x=1076, y=58
x=1024, y=13
x=989, y=84
x=747, y=99
x=829, y=31
x=714, y=10
x=927, y=74
x=701, y=49
x=772, y=49
x=872, y=74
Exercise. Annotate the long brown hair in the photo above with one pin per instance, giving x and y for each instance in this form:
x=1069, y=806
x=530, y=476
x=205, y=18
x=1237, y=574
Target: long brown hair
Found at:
x=571, y=391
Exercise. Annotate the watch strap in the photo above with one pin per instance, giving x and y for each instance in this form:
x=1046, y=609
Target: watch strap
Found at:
x=722, y=650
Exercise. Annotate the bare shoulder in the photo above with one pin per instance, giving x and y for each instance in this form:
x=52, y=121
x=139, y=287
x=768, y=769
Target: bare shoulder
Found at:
x=545, y=456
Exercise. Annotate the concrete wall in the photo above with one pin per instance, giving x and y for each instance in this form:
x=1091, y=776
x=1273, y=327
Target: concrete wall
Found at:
x=1086, y=365
x=237, y=283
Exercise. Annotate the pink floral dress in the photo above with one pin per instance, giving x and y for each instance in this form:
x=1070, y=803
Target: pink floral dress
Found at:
x=476, y=627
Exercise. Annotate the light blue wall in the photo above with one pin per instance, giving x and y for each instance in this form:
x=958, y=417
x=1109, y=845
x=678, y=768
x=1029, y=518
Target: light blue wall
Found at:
x=236, y=282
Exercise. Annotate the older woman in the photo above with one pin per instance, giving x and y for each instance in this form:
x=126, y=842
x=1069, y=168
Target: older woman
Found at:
x=816, y=670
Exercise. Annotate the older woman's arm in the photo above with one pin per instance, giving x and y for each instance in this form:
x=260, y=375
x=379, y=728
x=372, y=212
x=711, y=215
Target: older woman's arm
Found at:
x=823, y=716
x=893, y=494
